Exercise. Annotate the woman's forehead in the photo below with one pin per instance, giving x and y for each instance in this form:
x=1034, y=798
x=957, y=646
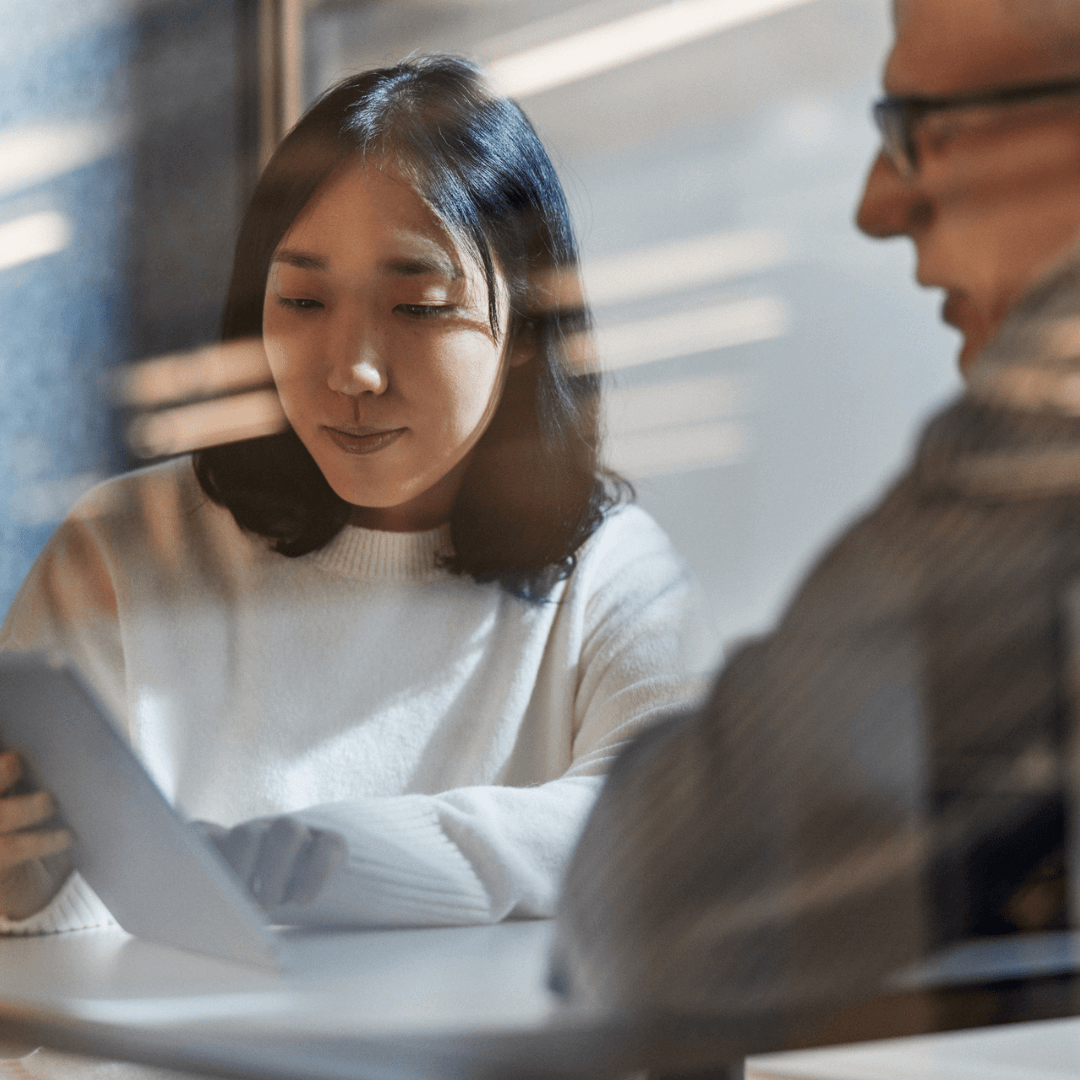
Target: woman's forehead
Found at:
x=372, y=203
x=370, y=211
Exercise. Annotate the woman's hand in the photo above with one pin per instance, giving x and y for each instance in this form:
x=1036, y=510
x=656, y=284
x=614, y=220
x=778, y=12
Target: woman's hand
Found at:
x=278, y=859
x=33, y=862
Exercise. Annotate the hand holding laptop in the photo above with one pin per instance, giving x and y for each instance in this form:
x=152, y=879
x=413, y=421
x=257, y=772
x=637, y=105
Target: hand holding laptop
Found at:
x=32, y=861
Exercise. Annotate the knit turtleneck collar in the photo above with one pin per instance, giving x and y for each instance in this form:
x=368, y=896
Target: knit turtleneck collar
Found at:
x=387, y=556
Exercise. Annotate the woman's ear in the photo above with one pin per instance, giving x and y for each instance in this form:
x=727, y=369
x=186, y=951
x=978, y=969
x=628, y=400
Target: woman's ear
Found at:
x=522, y=347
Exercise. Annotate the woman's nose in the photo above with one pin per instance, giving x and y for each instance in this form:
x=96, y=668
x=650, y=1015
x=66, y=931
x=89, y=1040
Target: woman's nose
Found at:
x=358, y=370
x=891, y=206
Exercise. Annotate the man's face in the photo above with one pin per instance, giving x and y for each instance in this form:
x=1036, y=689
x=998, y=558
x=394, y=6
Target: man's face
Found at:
x=996, y=197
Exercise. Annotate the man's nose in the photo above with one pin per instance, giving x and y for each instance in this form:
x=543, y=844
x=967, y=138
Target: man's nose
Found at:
x=891, y=206
x=358, y=368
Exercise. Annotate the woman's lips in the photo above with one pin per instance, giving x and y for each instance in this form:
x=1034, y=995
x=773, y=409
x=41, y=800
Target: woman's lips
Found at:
x=364, y=442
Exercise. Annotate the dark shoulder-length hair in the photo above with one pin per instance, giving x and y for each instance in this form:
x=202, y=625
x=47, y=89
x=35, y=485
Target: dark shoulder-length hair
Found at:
x=533, y=490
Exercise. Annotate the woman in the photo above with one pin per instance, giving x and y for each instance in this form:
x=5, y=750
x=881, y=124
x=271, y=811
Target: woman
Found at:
x=389, y=653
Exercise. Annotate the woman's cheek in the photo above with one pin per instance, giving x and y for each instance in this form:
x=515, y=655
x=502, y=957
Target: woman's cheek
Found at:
x=479, y=389
x=472, y=366
x=281, y=358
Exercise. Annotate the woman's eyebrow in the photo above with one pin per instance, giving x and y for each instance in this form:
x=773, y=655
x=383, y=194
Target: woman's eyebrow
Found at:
x=418, y=265
x=302, y=260
x=404, y=266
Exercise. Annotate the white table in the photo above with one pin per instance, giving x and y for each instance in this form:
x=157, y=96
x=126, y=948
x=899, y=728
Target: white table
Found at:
x=1047, y=1050
x=453, y=1003
x=436, y=1003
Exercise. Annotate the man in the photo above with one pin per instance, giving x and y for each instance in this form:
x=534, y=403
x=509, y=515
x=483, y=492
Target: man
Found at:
x=992, y=194
x=881, y=775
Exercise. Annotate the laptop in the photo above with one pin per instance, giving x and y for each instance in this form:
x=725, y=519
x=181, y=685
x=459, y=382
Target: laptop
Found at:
x=154, y=872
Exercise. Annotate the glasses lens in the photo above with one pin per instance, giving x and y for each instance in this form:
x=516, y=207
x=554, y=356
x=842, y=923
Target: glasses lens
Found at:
x=892, y=121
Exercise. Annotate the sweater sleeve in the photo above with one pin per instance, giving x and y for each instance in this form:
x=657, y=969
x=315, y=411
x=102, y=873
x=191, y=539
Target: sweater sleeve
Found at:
x=484, y=853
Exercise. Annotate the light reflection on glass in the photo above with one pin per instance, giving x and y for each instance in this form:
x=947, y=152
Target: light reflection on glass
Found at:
x=185, y=401
x=621, y=41
x=33, y=236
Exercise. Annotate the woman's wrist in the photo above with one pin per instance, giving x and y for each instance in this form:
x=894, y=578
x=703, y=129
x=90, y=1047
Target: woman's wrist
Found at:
x=27, y=888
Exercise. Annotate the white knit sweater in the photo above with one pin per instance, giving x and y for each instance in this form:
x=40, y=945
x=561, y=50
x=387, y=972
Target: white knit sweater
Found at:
x=455, y=735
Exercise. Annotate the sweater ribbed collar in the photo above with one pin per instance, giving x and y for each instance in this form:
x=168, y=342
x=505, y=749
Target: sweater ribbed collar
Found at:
x=385, y=556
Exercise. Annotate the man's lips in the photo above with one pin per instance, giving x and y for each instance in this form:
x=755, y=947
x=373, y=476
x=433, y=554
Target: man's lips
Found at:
x=363, y=440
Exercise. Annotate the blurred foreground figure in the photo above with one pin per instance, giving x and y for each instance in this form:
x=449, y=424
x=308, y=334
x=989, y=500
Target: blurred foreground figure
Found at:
x=883, y=774
x=880, y=776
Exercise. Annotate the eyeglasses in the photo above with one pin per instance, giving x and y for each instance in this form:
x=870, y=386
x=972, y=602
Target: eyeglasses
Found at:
x=897, y=117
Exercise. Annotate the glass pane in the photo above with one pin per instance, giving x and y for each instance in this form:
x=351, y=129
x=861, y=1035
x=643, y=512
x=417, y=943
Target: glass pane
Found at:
x=769, y=365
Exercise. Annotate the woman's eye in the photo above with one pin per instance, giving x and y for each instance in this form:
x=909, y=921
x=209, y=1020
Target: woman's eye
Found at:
x=299, y=303
x=424, y=311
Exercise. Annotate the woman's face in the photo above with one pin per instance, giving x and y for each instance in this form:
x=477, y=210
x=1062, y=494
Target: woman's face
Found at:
x=377, y=333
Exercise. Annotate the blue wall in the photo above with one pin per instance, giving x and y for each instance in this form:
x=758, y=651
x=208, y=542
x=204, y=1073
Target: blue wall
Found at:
x=147, y=115
x=65, y=315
